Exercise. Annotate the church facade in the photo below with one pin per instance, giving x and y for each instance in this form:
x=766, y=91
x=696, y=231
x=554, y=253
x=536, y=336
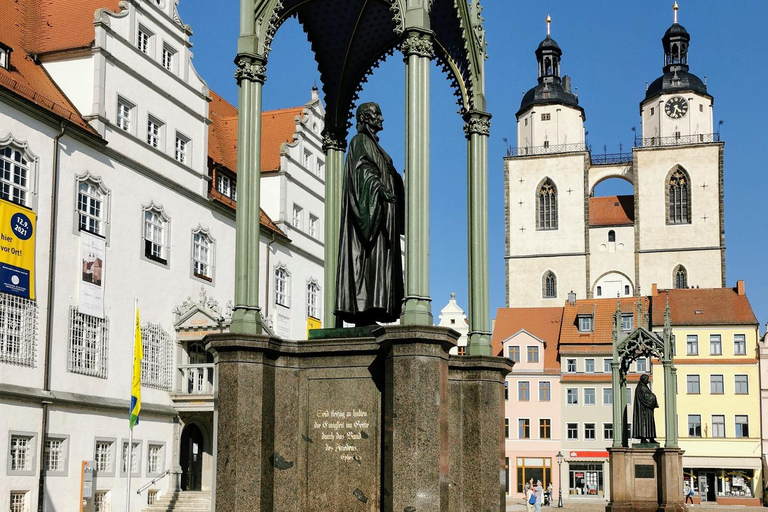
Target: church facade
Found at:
x=560, y=237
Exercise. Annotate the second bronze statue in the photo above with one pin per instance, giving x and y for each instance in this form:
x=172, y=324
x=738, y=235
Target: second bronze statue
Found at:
x=369, y=281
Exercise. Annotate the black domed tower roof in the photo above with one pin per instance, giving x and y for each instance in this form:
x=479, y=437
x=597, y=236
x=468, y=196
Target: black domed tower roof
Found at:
x=676, y=77
x=550, y=89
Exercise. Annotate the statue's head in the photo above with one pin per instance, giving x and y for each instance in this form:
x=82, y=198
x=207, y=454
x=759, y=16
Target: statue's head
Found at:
x=369, y=116
x=644, y=378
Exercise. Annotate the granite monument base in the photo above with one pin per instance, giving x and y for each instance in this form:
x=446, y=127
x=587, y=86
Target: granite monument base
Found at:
x=358, y=420
x=646, y=479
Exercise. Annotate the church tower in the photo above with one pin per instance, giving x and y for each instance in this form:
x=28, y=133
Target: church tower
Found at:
x=545, y=189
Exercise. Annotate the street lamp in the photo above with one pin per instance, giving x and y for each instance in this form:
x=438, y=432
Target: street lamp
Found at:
x=559, y=458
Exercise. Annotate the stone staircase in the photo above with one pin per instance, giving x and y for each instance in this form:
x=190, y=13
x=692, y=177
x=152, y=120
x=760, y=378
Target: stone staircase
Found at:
x=184, y=501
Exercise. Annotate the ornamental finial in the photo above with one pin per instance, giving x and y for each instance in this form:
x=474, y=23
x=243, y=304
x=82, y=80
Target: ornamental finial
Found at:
x=674, y=9
x=549, y=21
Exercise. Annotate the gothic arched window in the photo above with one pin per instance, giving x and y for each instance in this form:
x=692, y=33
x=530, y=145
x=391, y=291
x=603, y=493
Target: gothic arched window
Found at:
x=678, y=197
x=549, y=285
x=680, y=277
x=546, y=203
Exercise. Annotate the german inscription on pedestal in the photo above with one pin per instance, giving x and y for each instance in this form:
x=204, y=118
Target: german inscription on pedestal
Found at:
x=343, y=444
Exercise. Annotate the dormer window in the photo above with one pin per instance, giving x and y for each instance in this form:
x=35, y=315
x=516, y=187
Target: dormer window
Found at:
x=5, y=56
x=627, y=322
x=585, y=323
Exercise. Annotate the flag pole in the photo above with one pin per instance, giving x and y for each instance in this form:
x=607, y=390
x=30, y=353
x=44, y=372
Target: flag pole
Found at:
x=130, y=412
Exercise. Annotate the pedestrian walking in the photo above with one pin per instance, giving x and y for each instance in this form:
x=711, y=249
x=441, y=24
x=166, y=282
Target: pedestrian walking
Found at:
x=539, y=495
x=688, y=494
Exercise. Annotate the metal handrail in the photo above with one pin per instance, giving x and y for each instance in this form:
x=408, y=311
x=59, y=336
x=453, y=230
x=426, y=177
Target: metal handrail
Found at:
x=611, y=158
x=546, y=150
x=677, y=140
x=153, y=482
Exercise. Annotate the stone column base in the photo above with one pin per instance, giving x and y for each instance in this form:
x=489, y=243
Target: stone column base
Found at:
x=646, y=480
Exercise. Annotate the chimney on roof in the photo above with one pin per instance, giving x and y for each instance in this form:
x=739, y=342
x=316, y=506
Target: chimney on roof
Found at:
x=571, y=298
x=654, y=290
x=740, y=287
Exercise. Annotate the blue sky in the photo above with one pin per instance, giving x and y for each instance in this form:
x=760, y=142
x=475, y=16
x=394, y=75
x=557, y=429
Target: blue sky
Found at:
x=610, y=50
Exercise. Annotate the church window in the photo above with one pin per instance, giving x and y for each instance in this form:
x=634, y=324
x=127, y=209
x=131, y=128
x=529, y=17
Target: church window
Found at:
x=680, y=277
x=678, y=198
x=626, y=289
x=156, y=366
x=611, y=236
x=549, y=285
x=547, y=206
x=599, y=291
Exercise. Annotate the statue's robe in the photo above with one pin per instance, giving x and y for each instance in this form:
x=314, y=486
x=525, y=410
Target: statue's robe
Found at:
x=369, y=282
x=643, y=422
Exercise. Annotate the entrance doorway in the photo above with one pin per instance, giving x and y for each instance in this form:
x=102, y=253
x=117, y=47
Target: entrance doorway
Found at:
x=191, y=458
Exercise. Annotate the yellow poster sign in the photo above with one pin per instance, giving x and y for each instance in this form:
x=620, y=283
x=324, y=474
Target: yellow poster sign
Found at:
x=313, y=323
x=17, y=250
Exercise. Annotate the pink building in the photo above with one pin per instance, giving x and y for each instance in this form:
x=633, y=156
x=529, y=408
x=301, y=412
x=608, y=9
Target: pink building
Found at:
x=529, y=336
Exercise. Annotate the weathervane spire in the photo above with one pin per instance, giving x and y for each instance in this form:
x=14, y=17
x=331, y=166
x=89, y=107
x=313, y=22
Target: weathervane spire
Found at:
x=675, y=7
x=549, y=22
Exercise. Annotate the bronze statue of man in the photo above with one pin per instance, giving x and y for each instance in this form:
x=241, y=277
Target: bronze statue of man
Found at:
x=643, y=422
x=369, y=281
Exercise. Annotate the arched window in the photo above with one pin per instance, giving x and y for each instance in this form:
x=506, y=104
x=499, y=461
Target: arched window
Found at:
x=202, y=254
x=549, y=285
x=546, y=202
x=282, y=296
x=313, y=299
x=678, y=197
x=599, y=291
x=680, y=277
x=611, y=236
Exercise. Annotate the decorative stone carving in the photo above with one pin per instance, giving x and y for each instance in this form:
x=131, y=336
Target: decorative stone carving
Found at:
x=477, y=122
x=418, y=43
x=334, y=140
x=397, y=17
x=271, y=27
x=206, y=302
x=250, y=69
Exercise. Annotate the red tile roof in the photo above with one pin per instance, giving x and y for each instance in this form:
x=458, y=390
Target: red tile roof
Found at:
x=544, y=323
x=25, y=77
x=602, y=327
x=611, y=211
x=706, y=306
x=53, y=25
x=277, y=126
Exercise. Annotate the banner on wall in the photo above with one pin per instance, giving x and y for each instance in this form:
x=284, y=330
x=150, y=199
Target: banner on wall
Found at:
x=92, y=252
x=17, y=250
x=313, y=323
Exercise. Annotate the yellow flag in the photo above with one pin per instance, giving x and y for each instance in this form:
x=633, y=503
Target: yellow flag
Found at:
x=138, y=355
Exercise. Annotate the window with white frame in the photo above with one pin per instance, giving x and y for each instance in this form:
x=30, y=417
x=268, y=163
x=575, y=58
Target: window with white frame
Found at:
x=282, y=298
x=718, y=425
x=144, y=40
x=18, y=330
x=572, y=396
x=642, y=365
x=181, y=152
x=135, y=453
x=104, y=457
x=693, y=385
x=313, y=299
x=320, y=169
x=533, y=354
x=742, y=425
x=155, y=459
x=88, y=344
x=18, y=501
x=169, y=58
x=694, y=425
x=156, y=367
x=514, y=353
x=589, y=396
x=585, y=323
x=202, y=254
x=226, y=185
x=607, y=365
x=92, y=205
x=312, y=226
x=607, y=431
x=692, y=345
x=716, y=384
x=739, y=344
x=298, y=213
x=524, y=391
x=741, y=384
x=125, y=113
x=589, y=432
x=572, y=431
x=589, y=365
x=545, y=391
x=570, y=365
x=22, y=454
x=101, y=501
x=629, y=396
x=155, y=132
x=156, y=234
x=715, y=345
x=15, y=175
x=56, y=455
x=607, y=396
x=308, y=160
x=627, y=322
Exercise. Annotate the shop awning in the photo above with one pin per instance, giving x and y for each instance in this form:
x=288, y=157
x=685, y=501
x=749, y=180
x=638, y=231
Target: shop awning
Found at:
x=587, y=455
x=723, y=462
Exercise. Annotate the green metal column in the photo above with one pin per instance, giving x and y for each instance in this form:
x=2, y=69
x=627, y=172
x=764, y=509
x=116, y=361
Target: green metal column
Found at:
x=246, y=318
x=334, y=145
x=477, y=129
x=616, y=389
x=670, y=384
x=418, y=52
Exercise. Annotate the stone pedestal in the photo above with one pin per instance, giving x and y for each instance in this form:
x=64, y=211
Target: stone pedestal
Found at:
x=646, y=479
x=385, y=420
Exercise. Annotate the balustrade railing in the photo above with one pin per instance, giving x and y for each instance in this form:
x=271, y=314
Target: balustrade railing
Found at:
x=196, y=379
x=546, y=150
x=676, y=140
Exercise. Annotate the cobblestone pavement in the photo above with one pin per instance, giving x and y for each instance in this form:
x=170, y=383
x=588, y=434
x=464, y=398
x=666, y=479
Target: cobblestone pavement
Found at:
x=598, y=505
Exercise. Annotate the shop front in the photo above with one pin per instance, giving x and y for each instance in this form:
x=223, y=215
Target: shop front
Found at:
x=587, y=473
x=724, y=484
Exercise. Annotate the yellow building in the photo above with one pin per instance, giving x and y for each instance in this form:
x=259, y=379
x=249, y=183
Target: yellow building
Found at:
x=718, y=390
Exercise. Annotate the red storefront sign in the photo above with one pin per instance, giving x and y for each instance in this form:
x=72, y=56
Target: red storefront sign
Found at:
x=588, y=454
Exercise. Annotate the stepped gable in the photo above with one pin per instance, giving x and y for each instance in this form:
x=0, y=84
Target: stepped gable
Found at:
x=544, y=323
x=705, y=306
x=25, y=77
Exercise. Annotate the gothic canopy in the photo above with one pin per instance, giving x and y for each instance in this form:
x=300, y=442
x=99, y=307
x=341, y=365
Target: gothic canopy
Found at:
x=351, y=37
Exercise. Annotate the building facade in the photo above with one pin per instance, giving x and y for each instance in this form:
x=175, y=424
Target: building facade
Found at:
x=453, y=316
x=670, y=231
x=133, y=189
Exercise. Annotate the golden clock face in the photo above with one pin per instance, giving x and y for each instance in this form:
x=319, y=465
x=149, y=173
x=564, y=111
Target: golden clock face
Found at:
x=676, y=107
